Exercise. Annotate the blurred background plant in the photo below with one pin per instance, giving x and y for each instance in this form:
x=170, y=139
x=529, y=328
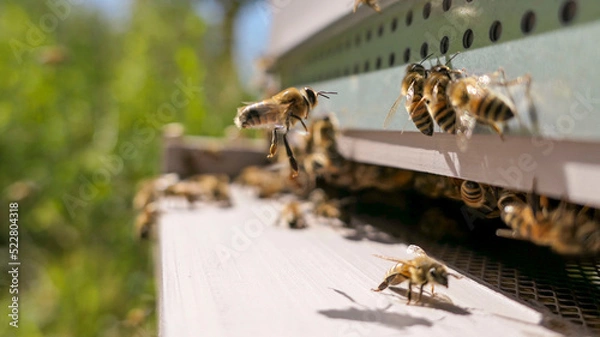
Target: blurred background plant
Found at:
x=83, y=99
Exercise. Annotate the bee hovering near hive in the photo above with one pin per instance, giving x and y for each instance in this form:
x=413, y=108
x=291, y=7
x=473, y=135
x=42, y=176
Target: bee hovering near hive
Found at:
x=419, y=271
x=412, y=89
x=474, y=101
x=281, y=112
x=371, y=3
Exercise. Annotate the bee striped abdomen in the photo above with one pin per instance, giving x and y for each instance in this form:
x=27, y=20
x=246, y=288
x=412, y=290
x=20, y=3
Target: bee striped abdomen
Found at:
x=445, y=117
x=493, y=108
x=472, y=194
x=256, y=115
x=420, y=116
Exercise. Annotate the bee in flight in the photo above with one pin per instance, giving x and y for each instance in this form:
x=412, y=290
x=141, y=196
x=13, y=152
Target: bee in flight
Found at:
x=419, y=271
x=281, y=112
x=474, y=101
x=412, y=89
x=371, y=3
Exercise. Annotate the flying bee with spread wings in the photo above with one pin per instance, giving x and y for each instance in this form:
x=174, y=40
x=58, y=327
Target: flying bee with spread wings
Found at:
x=280, y=112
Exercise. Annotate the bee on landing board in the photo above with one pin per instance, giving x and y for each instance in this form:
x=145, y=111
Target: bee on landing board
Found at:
x=419, y=271
x=150, y=190
x=474, y=101
x=412, y=89
x=564, y=229
x=293, y=215
x=212, y=188
x=146, y=221
x=371, y=3
x=281, y=112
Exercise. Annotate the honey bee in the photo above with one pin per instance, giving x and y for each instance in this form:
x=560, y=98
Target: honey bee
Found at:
x=371, y=3
x=267, y=182
x=151, y=189
x=435, y=186
x=436, y=100
x=419, y=271
x=185, y=189
x=292, y=215
x=563, y=229
x=480, y=196
x=146, y=221
x=325, y=207
x=281, y=112
x=412, y=90
x=212, y=188
x=473, y=101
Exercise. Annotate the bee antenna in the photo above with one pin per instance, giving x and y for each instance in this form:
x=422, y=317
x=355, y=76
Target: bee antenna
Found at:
x=426, y=57
x=452, y=57
x=325, y=93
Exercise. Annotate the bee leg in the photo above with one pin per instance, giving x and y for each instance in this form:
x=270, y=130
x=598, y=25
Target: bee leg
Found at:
x=497, y=129
x=273, y=148
x=290, y=155
x=301, y=121
x=409, y=293
x=381, y=287
x=432, y=290
x=420, y=292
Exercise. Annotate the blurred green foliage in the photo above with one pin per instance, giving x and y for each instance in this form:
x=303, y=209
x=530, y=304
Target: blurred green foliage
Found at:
x=82, y=104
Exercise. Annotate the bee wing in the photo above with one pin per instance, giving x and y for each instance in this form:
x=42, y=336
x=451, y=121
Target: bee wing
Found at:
x=392, y=112
x=393, y=259
x=416, y=250
x=465, y=123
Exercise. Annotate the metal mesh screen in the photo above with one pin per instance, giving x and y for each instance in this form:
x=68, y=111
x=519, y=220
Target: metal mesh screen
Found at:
x=565, y=289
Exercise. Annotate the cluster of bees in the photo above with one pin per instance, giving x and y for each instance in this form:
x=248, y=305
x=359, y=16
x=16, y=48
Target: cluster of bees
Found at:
x=435, y=94
x=455, y=101
x=564, y=227
x=211, y=188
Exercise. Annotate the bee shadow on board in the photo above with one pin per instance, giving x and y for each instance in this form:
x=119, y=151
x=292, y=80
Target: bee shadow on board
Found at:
x=380, y=316
x=437, y=301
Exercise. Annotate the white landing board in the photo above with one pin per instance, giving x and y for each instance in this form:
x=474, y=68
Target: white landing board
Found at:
x=232, y=272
